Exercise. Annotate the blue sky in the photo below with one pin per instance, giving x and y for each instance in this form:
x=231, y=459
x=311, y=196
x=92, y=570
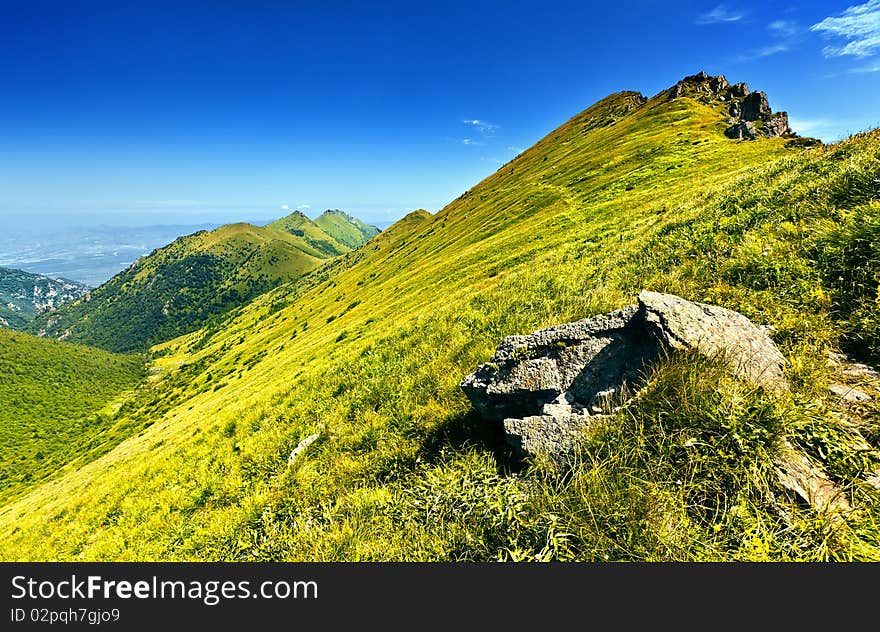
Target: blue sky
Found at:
x=223, y=110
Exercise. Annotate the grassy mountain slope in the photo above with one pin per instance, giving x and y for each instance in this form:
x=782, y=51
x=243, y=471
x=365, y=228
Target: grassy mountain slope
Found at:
x=369, y=350
x=179, y=287
x=57, y=404
x=298, y=224
x=23, y=295
x=345, y=229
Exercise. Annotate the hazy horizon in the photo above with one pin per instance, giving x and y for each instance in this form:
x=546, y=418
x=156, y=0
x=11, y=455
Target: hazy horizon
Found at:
x=91, y=247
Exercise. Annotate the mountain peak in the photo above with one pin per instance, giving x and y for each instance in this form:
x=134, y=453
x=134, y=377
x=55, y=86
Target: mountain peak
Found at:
x=749, y=113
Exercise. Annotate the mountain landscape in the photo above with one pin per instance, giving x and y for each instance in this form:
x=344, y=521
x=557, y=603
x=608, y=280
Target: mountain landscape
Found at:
x=180, y=287
x=293, y=392
x=24, y=295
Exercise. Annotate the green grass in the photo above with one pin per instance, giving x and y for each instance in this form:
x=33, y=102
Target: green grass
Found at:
x=57, y=404
x=369, y=350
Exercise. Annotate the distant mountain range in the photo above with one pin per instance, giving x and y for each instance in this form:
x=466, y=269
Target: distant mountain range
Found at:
x=180, y=287
x=24, y=295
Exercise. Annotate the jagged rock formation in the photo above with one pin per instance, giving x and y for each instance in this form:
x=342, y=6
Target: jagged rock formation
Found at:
x=549, y=386
x=750, y=114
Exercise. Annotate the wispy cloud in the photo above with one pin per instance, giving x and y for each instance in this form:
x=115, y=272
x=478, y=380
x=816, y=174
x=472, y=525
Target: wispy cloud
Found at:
x=720, y=15
x=766, y=51
x=783, y=28
x=828, y=130
x=285, y=207
x=483, y=127
x=858, y=25
x=865, y=69
x=471, y=141
x=302, y=207
x=809, y=127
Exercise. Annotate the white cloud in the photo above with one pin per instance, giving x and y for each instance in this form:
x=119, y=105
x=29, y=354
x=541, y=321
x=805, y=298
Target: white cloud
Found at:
x=783, y=28
x=482, y=126
x=858, y=25
x=285, y=207
x=302, y=207
x=865, y=69
x=767, y=51
x=471, y=141
x=720, y=15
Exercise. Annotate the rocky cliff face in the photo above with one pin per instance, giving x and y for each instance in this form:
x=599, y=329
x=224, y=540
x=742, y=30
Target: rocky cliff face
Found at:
x=749, y=113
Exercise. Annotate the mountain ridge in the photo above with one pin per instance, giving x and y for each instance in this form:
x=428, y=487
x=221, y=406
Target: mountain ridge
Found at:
x=184, y=285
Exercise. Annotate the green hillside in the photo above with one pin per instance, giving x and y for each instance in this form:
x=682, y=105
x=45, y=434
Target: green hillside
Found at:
x=58, y=402
x=24, y=295
x=298, y=224
x=369, y=350
x=182, y=286
x=345, y=229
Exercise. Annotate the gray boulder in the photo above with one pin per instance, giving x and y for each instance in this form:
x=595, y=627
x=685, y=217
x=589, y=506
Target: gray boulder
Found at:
x=756, y=107
x=739, y=90
x=742, y=130
x=548, y=387
x=777, y=125
x=715, y=332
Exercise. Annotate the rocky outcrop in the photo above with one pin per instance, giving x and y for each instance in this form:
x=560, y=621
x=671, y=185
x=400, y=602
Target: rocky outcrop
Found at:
x=548, y=387
x=749, y=113
x=744, y=130
x=754, y=107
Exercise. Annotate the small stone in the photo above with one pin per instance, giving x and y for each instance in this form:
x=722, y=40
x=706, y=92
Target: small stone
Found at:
x=849, y=394
x=302, y=447
x=798, y=474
